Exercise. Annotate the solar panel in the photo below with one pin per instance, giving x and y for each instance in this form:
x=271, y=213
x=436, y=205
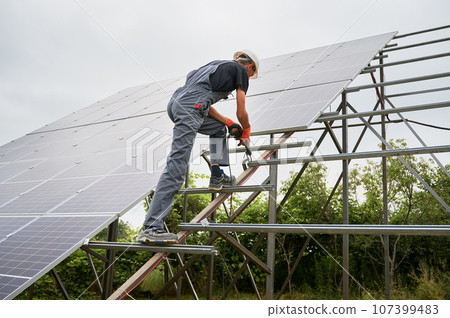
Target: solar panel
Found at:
x=292, y=94
x=9, y=284
x=65, y=181
x=10, y=169
x=12, y=191
x=42, y=244
x=46, y=196
x=111, y=194
x=11, y=224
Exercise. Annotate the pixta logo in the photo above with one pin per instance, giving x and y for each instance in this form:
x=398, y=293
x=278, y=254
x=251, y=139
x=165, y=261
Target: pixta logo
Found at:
x=147, y=150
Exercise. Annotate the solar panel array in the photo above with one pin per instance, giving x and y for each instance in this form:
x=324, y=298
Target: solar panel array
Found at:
x=66, y=181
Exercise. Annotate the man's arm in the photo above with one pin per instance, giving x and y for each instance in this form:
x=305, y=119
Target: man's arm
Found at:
x=241, y=112
x=214, y=114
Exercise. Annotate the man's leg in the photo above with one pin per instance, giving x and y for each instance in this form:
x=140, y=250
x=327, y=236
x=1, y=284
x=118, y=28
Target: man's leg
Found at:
x=172, y=177
x=171, y=180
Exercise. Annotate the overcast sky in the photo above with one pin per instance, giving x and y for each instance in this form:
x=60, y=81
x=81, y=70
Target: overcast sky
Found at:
x=54, y=59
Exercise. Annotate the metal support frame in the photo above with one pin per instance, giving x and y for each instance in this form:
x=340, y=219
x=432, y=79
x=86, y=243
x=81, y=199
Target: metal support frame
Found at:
x=357, y=155
x=417, y=151
x=60, y=284
x=345, y=211
x=397, y=82
x=269, y=230
x=325, y=207
x=172, y=248
x=249, y=188
x=417, y=59
x=110, y=255
x=385, y=189
x=269, y=147
x=184, y=218
x=94, y=271
x=272, y=218
x=327, y=229
x=385, y=111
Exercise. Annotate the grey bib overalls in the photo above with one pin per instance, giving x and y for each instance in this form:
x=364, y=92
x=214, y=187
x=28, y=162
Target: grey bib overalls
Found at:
x=188, y=109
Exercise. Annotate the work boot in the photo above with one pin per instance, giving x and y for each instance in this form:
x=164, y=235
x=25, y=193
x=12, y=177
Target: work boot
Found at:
x=155, y=235
x=216, y=183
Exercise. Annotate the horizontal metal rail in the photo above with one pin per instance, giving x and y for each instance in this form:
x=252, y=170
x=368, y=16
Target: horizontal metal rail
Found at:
x=424, y=91
x=382, y=56
x=249, y=188
x=384, y=111
x=422, y=31
x=391, y=45
x=354, y=155
x=397, y=82
x=416, y=59
x=167, y=248
x=415, y=45
x=427, y=230
x=268, y=147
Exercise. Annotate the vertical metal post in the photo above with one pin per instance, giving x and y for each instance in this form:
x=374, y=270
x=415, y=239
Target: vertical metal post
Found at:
x=345, y=214
x=210, y=278
x=31, y=292
x=60, y=284
x=209, y=284
x=184, y=218
x=110, y=255
x=385, y=203
x=210, y=268
x=273, y=175
x=97, y=280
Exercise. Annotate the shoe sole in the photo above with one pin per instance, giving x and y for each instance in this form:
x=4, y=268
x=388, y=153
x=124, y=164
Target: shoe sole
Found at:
x=148, y=241
x=215, y=189
x=226, y=185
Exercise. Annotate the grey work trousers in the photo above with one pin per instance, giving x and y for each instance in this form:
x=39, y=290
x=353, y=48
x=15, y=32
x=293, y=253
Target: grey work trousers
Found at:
x=188, y=121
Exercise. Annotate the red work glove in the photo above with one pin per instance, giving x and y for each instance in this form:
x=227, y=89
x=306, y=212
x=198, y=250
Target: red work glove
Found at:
x=234, y=129
x=245, y=138
x=229, y=122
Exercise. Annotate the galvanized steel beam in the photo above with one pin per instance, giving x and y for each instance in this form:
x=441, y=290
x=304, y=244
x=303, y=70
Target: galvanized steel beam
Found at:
x=172, y=248
x=356, y=155
x=404, y=109
x=309, y=229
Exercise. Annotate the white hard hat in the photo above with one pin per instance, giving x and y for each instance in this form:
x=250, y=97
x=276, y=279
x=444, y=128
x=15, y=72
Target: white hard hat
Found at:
x=252, y=56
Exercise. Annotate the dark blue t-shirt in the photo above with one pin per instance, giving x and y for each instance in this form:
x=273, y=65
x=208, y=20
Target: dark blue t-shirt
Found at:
x=228, y=77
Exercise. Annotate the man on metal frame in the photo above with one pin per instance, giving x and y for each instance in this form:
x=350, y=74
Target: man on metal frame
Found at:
x=191, y=110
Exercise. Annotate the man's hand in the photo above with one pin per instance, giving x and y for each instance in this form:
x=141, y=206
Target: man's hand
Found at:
x=245, y=138
x=234, y=129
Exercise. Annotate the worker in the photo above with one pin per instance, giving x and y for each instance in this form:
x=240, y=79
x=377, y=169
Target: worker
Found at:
x=191, y=110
